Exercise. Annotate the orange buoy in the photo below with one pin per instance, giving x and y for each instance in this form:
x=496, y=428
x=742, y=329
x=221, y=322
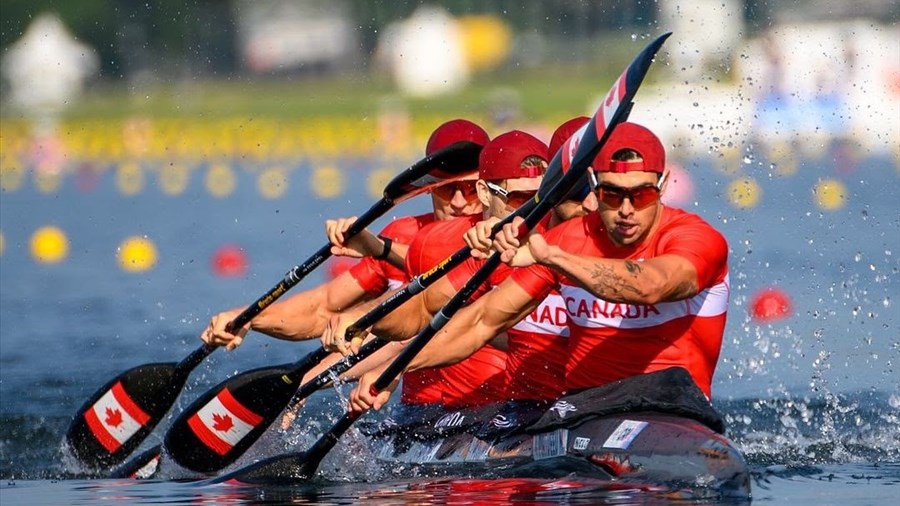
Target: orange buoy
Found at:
x=229, y=261
x=771, y=304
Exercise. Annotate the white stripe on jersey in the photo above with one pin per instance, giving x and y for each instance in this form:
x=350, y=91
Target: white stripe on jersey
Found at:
x=586, y=310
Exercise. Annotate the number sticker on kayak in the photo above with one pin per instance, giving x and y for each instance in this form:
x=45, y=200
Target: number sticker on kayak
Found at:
x=624, y=434
x=550, y=444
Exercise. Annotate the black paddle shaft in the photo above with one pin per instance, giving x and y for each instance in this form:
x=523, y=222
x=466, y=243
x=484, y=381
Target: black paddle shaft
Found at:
x=588, y=141
x=118, y=417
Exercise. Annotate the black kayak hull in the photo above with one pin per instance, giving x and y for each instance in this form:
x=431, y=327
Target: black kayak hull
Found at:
x=658, y=451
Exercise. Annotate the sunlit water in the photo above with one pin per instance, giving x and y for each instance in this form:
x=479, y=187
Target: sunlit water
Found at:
x=812, y=400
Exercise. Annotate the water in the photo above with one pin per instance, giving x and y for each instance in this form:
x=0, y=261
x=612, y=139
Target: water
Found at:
x=812, y=400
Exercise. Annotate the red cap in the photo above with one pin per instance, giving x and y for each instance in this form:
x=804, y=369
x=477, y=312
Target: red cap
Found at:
x=502, y=157
x=637, y=138
x=563, y=132
x=455, y=131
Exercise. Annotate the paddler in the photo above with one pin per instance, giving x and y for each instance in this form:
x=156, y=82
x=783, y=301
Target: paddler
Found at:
x=536, y=346
x=511, y=168
x=304, y=315
x=645, y=285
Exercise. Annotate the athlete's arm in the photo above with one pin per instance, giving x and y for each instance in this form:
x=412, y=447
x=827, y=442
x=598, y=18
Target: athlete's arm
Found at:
x=470, y=328
x=665, y=278
x=402, y=323
x=302, y=316
x=476, y=325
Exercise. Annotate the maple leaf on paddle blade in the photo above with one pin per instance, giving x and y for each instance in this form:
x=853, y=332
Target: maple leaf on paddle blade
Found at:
x=113, y=417
x=222, y=422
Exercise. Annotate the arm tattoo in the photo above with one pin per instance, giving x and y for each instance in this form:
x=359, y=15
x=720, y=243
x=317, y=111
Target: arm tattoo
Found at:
x=606, y=283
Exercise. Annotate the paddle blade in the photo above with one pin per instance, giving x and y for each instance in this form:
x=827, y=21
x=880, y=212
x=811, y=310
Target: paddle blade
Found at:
x=281, y=470
x=223, y=423
x=117, y=419
x=448, y=164
x=141, y=466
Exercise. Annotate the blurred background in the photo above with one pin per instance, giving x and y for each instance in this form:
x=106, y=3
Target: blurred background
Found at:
x=161, y=161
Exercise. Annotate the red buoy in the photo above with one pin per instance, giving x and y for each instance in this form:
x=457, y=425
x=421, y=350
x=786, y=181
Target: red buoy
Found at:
x=771, y=304
x=229, y=261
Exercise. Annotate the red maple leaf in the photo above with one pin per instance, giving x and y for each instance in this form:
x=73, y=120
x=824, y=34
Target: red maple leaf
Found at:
x=222, y=422
x=113, y=417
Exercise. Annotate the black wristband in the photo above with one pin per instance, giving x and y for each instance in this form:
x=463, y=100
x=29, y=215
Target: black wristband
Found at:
x=387, y=248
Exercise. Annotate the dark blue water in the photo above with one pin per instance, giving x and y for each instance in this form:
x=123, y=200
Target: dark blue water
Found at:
x=812, y=400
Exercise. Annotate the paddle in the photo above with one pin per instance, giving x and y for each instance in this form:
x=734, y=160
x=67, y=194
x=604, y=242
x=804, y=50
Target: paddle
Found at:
x=119, y=416
x=575, y=156
x=198, y=440
x=220, y=425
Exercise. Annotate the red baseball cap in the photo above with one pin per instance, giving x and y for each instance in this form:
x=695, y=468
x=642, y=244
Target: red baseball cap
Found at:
x=636, y=138
x=563, y=132
x=502, y=157
x=453, y=131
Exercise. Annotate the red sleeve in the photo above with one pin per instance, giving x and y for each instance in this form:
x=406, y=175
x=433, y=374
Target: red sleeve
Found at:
x=435, y=242
x=370, y=276
x=539, y=280
x=701, y=244
x=404, y=229
x=374, y=275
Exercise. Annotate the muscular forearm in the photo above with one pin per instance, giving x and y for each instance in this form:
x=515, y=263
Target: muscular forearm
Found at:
x=300, y=317
x=461, y=337
x=404, y=322
x=629, y=281
x=413, y=316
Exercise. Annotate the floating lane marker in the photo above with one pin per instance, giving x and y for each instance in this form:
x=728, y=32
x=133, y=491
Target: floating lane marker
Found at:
x=744, y=193
x=273, y=183
x=137, y=254
x=229, y=261
x=830, y=194
x=11, y=174
x=771, y=304
x=173, y=178
x=327, y=182
x=130, y=178
x=49, y=245
x=220, y=180
x=378, y=179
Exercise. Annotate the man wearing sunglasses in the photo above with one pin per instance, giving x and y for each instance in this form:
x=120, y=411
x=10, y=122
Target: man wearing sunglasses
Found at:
x=511, y=167
x=645, y=286
x=303, y=315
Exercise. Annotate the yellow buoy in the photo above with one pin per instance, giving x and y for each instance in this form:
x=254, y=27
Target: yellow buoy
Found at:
x=137, y=254
x=130, y=178
x=48, y=182
x=273, y=183
x=327, y=182
x=378, y=179
x=1, y=244
x=49, y=245
x=830, y=194
x=173, y=178
x=11, y=175
x=220, y=180
x=744, y=193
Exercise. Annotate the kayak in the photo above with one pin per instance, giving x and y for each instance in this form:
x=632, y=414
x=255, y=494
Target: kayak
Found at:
x=656, y=431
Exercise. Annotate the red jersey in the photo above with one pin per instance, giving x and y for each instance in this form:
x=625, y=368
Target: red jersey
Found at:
x=609, y=341
x=378, y=276
x=536, y=346
x=476, y=380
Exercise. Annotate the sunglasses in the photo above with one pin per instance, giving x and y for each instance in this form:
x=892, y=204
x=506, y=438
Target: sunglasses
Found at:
x=448, y=191
x=641, y=196
x=513, y=199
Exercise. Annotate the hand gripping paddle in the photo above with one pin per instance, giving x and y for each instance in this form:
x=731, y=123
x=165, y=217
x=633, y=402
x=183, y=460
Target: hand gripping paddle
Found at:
x=119, y=416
